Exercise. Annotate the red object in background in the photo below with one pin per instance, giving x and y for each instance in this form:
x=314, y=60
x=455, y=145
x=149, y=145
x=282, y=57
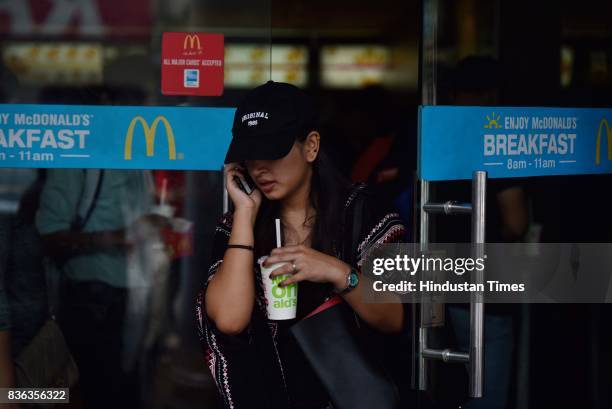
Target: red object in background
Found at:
x=178, y=244
x=192, y=64
x=175, y=188
x=84, y=18
x=367, y=161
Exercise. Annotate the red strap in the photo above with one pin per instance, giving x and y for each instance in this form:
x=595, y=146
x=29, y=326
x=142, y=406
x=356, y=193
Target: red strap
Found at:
x=336, y=299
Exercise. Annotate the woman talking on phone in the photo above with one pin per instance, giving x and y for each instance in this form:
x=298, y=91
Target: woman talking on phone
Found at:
x=276, y=149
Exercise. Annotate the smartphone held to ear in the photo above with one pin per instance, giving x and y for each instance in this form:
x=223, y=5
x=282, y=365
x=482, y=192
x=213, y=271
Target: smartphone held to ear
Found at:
x=245, y=184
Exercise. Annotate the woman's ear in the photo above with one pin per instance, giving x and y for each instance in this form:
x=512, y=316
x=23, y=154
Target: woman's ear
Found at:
x=312, y=144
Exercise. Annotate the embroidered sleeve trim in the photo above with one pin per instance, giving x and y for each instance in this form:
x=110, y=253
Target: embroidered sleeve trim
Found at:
x=388, y=230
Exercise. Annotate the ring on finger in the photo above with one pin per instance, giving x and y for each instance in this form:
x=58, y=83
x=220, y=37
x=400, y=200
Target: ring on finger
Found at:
x=293, y=268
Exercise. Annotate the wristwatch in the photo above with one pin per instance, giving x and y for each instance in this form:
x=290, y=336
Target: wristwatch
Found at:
x=352, y=280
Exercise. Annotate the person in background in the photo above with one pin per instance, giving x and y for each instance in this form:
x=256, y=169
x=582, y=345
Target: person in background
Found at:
x=388, y=160
x=7, y=370
x=22, y=262
x=162, y=335
x=106, y=265
x=23, y=303
x=22, y=273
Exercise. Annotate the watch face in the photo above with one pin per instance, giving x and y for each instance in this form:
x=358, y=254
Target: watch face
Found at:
x=353, y=279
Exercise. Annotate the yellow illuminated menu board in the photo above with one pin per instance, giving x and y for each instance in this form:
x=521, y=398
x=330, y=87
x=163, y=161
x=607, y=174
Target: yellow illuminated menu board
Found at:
x=55, y=63
x=248, y=65
x=353, y=66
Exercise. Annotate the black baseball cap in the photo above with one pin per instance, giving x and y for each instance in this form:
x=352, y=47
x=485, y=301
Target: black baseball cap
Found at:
x=269, y=120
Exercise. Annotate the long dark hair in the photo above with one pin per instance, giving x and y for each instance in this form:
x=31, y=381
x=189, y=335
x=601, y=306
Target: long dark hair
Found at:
x=328, y=190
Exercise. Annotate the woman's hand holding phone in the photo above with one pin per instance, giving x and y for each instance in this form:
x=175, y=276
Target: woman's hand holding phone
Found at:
x=243, y=202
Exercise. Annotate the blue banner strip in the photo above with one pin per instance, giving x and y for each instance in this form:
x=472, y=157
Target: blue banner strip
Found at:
x=513, y=142
x=114, y=137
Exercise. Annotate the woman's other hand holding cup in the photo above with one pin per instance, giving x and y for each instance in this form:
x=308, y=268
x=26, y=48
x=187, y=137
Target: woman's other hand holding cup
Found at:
x=307, y=264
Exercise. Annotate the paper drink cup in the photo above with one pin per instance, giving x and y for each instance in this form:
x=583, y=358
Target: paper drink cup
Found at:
x=281, y=301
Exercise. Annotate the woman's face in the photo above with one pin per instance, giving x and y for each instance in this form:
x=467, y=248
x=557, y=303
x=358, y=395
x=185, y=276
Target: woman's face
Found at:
x=279, y=179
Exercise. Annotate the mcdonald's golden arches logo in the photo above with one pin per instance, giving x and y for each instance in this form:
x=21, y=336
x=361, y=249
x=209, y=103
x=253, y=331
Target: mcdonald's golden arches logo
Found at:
x=149, y=134
x=192, y=40
x=603, y=125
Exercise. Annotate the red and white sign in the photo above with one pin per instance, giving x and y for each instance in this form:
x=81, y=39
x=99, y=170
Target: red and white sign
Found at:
x=192, y=64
